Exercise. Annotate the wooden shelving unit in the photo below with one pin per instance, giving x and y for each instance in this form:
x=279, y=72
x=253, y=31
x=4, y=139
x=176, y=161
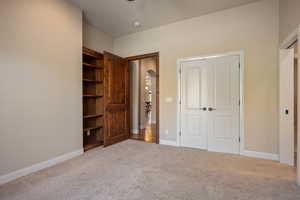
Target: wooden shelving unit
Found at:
x=91, y=146
x=92, y=116
x=88, y=65
x=93, y=99
x=92, y=96
x=92, y=128
x=91, y=81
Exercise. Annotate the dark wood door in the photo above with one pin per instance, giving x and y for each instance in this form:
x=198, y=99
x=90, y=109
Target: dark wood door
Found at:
x=116, y=99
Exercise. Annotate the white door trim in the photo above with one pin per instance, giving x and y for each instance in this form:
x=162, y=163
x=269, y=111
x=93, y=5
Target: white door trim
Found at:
x=295, y=35
x=242, y=66
x=286, y=102
x=290, y=39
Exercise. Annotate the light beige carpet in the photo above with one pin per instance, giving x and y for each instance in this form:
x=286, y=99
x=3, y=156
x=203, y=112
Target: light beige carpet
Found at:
x=134, y=170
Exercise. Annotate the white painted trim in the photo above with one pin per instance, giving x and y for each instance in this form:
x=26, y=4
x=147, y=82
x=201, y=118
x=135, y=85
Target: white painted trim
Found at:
x=39, y=166
x=142, y=126
x=255, y=154
x=286, y=101
x=290, y=39
x=167, y=142
x=241, y=54
x=242, y=102
x=178, y=139
x=295, y=35
x=298, y=111
x=135, y=131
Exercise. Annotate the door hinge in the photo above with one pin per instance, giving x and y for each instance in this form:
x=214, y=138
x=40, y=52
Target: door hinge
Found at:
x=239, y=139
x=179, y=71
x=179, y=133
x=239, y=102
x=239, y=65
x=180, y=102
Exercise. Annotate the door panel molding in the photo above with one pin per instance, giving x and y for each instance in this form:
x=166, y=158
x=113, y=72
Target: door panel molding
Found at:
x=117, y=100
x=241, y=93
x=194, y=122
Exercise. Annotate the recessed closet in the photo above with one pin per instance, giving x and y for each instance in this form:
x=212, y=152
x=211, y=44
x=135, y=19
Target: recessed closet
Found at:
x=105, y=90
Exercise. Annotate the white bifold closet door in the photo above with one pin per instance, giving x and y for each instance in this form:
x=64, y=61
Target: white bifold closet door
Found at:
x=286, y=106
x=210, y=104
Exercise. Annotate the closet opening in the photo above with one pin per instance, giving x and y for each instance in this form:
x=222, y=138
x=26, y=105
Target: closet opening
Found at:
x=144, y=97
x=210, y=104
x=105, y=93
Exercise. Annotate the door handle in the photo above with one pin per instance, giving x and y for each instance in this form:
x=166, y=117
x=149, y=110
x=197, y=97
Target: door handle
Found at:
x=211, y=109
x=286, y=111
x=204, y=108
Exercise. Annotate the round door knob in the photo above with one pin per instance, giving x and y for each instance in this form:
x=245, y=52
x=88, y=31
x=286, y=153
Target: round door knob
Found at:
x=211, y=109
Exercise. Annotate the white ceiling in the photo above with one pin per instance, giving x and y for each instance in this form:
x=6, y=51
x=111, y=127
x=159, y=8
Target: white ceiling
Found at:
x=116, y=17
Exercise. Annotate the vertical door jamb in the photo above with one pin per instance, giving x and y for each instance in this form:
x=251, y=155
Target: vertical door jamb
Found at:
x=139, y=57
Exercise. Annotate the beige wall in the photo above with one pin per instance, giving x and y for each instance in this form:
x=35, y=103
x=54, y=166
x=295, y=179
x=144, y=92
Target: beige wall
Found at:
x=95, y=39
x=289, y=17
x=40, y=81
x=252, y=28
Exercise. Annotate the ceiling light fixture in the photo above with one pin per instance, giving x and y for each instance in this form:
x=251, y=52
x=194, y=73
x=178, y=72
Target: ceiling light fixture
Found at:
x=137, y=24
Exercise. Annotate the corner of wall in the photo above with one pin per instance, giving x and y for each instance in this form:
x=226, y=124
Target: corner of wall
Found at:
x=96, y=39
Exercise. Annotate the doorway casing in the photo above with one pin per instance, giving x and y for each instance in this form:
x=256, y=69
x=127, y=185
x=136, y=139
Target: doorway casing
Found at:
x=241, y=90
x=139, y=57
x=294, y=36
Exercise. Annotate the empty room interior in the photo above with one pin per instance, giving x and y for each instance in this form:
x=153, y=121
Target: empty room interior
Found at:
x=152, y=100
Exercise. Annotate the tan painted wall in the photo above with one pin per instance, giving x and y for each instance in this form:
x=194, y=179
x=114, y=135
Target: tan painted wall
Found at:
x=95, y=39
x=252, y=28
x=40, y=81
x=289, y=17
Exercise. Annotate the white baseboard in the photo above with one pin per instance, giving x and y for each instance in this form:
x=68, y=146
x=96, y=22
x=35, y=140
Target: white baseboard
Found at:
x=247, y=153
x=39, y=166
x=142, y=126
x=135, y=131
x=255, y=154
x=168, y=142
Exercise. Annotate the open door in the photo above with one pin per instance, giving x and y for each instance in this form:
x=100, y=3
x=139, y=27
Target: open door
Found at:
x=286, y=106
x=117, y=99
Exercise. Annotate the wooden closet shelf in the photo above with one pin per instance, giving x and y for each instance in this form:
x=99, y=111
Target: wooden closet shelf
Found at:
x=91, y=146
x=93, y=66
x=93, y=55
x=93, y=93
x=91, y=81
x=92, y=128
x=92, y=116
x=92, y=96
